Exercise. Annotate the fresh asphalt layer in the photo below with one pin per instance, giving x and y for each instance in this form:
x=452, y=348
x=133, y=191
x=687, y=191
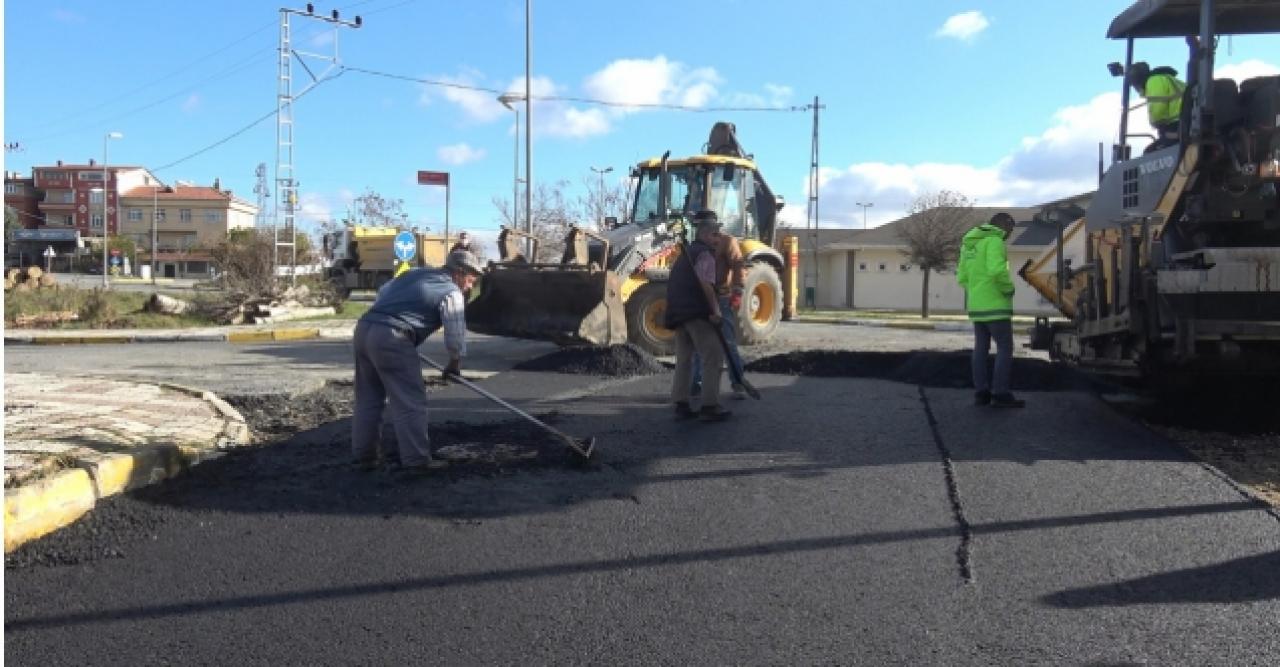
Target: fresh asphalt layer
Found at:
x=838, y=520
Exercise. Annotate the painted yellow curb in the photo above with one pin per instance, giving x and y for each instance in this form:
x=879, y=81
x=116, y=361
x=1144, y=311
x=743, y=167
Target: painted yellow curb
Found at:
x=40, y=508
x=105, y=339
x=122, y=472
x=295, y=334
x=250, y=337
x=60, y=340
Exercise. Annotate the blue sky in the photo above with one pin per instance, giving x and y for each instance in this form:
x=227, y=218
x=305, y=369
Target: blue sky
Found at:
x=1002, y=100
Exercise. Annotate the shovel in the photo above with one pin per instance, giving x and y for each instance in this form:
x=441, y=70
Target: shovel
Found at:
x=583, y=447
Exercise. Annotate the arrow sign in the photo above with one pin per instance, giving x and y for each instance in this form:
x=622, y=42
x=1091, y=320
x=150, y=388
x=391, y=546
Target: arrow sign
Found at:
x=406, y=246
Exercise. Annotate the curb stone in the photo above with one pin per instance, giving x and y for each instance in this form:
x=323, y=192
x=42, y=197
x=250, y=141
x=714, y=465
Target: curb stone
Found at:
x=38, y=508
x=254, y=336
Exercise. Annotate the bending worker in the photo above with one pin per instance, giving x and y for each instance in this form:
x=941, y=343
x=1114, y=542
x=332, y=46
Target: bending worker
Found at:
x=408, y=309
x=1163, y=92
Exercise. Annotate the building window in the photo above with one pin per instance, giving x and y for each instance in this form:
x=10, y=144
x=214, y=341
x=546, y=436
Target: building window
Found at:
x=160, y=215
x=862, y=266
x=11, y=189
x=95, y=221
x=90, y=176
x=53, y=175
x=184, y=215
x=883, y=266
x=135, y=215
x=212, y=217
x=95, y=197
x=904, y=267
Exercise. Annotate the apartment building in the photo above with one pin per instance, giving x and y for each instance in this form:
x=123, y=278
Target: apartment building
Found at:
x=189, y=220
x=73, y=195
x=21, y=196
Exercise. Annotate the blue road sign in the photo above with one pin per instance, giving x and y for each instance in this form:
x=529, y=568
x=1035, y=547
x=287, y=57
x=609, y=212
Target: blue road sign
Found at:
x=115, y=259
x=406, y=246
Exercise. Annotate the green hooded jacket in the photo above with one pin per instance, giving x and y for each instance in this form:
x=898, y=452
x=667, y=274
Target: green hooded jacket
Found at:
x=983, y=272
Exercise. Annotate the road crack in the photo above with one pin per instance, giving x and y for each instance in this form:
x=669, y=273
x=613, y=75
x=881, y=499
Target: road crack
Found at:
x=964, y=552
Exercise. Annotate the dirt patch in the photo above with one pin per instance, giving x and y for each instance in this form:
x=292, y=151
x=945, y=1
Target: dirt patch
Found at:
x=611, y=361
x=937, y=369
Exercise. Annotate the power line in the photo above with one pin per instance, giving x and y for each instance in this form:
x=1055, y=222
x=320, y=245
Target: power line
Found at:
x=246, y=128
x=581, y=100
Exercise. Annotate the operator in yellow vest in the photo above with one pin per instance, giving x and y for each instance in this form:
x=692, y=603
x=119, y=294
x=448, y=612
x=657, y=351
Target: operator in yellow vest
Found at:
x=1162, y=90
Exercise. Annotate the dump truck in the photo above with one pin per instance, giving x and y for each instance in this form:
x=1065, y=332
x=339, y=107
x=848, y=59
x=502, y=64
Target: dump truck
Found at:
x=364, y=257
x=1174, y=271
x=609, y=287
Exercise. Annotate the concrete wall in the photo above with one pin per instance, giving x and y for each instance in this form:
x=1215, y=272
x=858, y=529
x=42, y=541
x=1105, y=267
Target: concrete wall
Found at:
x=892, y=288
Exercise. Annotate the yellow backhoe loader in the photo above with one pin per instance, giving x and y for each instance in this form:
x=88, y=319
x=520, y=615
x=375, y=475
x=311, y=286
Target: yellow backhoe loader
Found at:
x=610, y=287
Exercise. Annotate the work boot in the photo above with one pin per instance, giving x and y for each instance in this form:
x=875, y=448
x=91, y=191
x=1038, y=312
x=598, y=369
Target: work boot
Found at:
x=982, y=397
x=713, y=413
x=419, y=469
x=683, y=411
x=364, y=463
x=1007, y=401
x=739, y=392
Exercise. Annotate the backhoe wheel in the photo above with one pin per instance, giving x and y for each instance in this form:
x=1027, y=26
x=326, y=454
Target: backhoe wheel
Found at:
x=761, y=304
x=645, y=311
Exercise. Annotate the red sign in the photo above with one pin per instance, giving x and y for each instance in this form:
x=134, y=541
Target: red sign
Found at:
x=115, y=252
x=433, y=178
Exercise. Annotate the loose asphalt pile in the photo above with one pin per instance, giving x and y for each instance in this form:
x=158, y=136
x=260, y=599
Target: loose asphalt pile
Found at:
x=610, y=361
x=947, y=370
x=302, y=466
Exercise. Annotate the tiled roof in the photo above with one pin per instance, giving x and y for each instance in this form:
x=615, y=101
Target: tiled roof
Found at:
x=110, y=167
x=1031, y=229
x=821, y=237
x=178, y=192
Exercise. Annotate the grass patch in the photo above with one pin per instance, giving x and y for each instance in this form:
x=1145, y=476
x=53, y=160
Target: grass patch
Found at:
x=351, y=310
x=98, y=309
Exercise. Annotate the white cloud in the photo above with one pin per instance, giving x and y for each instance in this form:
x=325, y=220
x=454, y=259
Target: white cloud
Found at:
x=1246, y=70
x=459, y=154
x=314, y=207
x=653, y=81
x=964, y=26
x=1059, y=162
x=192, y=103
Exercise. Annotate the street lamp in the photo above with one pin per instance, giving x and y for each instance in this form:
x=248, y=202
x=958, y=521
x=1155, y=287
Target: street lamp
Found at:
x=864, y=212
x=506, y=99
x=105, y=227
x=602, y=172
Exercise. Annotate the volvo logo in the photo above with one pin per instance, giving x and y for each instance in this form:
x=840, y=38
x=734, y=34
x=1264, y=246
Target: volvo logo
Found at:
x=1158, y=164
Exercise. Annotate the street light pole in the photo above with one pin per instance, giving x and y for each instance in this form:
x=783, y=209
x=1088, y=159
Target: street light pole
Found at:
x=105, y=227
x=864, y=212
x=600, y=196
x=506, y=99
x=528, y=116
x=155, y=217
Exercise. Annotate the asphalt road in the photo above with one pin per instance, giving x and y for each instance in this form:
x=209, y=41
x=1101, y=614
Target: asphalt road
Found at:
x=839, y=520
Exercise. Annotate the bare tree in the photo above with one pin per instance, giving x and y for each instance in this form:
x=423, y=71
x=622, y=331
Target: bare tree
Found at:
x=552, y=216
x=934, y=227
x=376, y=210
x=611, y=201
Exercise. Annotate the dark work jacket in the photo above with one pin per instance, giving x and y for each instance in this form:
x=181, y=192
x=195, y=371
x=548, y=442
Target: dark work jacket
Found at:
x=685, y=298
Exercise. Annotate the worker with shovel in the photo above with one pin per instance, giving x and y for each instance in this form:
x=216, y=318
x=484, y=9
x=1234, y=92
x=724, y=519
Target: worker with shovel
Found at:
x=693, y=310
x=408, y=309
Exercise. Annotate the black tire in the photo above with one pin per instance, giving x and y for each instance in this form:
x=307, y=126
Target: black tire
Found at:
x=761, y=304
x=645, y=310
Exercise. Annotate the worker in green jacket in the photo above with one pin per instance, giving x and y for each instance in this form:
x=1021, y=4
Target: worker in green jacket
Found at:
x=983, y=272
x=1162, y=90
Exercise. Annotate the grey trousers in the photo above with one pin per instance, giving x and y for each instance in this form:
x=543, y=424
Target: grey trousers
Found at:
x=983, y=333
x=699, y=336
x=388, y=370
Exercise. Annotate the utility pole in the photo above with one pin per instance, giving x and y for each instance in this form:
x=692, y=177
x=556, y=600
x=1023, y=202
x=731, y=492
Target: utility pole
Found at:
x=286, y=183
x=528, y=117
x=600, y=195
x=813, y=197
x=864, y=211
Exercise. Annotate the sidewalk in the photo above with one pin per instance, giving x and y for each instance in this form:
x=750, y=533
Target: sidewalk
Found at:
x=338, y=329
x=71, y=441
x=958, y=325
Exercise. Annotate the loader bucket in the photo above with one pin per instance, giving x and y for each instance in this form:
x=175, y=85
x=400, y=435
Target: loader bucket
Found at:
x=565, y=305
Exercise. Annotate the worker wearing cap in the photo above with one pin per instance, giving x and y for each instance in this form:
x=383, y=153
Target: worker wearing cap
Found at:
x=983, y=272
x=408, y=309
x=693, y=311
x=463, y=243
x=1162, y=90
